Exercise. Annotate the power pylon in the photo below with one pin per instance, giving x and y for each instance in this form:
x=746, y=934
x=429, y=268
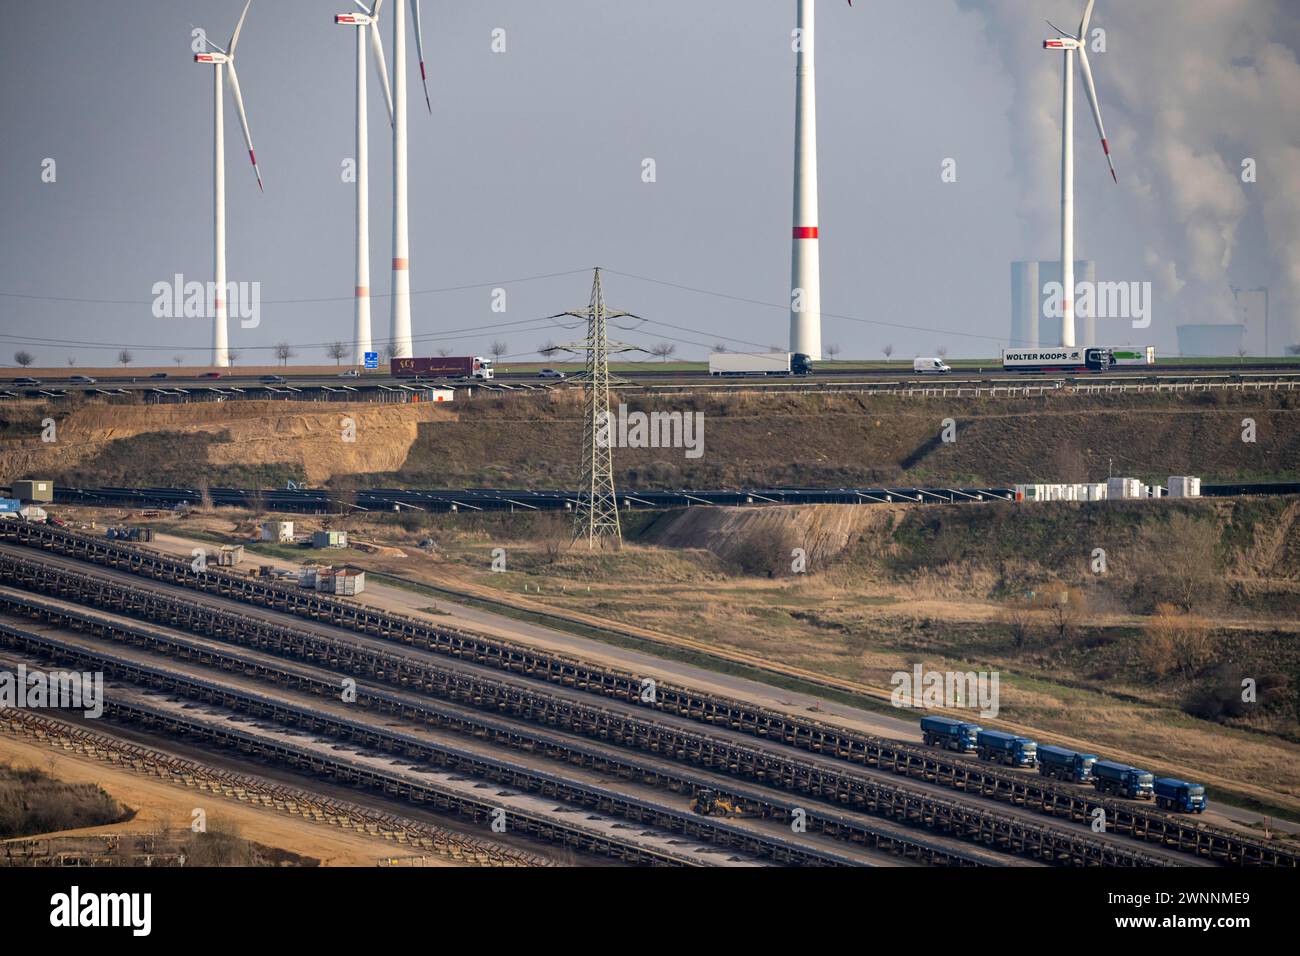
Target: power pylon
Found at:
x=596, y=518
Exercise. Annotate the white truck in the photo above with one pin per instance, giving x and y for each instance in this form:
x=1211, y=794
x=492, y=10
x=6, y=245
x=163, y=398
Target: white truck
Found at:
x=759, y=363
x=930, y=366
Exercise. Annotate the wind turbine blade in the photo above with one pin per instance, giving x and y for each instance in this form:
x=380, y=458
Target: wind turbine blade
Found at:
x=1096, y=107
x=234, y=39
x=1059, y=31
x=1083, y=24
x=419, y=51
x=377, y=47
x=366, y=10
x=243, y=119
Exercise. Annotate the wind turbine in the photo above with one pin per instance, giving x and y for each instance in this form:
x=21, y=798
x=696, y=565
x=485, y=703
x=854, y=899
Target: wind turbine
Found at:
x=805, y=258
x=1068, y=45
x=222, y=60
x=400, y=323
x=366, y=24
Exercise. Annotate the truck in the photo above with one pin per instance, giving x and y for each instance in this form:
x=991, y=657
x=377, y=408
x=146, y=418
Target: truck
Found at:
x=930, y=366
x=759, y=363
x=1061, y=358
x=1122, y=780
x=1065, y=764
x=1130, y=355
x=451, y=366
x=1006, y=748
x=949, y=734
x=1180, y=796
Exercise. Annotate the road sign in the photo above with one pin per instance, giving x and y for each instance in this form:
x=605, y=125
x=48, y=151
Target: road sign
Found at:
x=372, y=360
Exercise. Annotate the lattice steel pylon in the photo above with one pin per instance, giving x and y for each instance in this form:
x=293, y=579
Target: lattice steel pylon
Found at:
x=596, y=517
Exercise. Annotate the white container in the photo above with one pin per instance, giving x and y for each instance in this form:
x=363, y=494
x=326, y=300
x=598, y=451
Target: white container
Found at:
x=1184, y=486
x=281, y=532
x=1123, y=488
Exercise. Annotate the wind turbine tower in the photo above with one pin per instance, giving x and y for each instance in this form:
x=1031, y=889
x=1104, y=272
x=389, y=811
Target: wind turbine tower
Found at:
x=365, y=24
x=1069, y=45
x=223, y=61
x=400, y=325
x=805, y=265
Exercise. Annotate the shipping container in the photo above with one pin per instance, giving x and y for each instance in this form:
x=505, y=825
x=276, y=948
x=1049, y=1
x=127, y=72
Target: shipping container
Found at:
x=345, y=582
x=1123, y=488
x=36, y=492
x=451, y=366
x=1184, y=486
x=329, y=539
x=280, y=532
x=10, y=506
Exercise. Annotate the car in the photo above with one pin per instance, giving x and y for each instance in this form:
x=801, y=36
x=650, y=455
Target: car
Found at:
x=25, y=380
x=273, y=380
x=550, y=373
x=157, y=375
x=82, y=380
x=210, y=375
x=349, y=373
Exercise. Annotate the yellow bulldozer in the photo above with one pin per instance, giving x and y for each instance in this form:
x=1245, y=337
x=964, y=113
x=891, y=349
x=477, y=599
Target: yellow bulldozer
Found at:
x=707, y=803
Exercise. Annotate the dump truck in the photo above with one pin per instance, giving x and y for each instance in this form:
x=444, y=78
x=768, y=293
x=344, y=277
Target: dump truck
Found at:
x=1065, y=764
x=949, y=734
x=1180, y=796
x=1006, y=748
x=1119, y=779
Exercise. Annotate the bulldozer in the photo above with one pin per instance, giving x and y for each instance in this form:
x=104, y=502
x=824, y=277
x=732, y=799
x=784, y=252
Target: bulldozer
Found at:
x=708, y=803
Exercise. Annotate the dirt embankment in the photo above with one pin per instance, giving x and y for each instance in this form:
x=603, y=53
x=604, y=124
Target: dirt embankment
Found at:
x=241, y=442
x=748, y=440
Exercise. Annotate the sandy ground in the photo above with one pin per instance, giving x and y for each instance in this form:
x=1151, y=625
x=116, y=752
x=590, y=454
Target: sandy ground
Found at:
x=159, y=804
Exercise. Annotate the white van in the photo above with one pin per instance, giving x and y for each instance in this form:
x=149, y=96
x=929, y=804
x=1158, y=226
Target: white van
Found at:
x=934, y=366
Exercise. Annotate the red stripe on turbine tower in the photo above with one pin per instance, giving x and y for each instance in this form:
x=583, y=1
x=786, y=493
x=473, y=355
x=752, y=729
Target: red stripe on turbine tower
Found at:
x=805, y=232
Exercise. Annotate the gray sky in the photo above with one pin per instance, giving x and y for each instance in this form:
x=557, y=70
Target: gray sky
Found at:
x=531, y=165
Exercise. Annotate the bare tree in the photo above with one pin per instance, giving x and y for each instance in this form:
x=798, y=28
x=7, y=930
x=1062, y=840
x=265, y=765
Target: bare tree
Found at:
x=178, y=359
x=24, y=358
x=444, y=352
x=72, y=361
x=125, y=357
x=338, y=351
x=233, y=356
x=889, y=351
x=284, y=351
x=832, y=351
x=719, y=347
x=663, y=350
x=498, y=349
x=1293, y=349
x=941, y=351
x=547, y=348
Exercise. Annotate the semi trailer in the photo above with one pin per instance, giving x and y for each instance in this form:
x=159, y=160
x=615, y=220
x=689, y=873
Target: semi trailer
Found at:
x=759, y=363
x=1057, y=359
x=451, y=366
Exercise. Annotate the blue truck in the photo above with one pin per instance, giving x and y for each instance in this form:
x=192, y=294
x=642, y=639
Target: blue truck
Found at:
x=1065, y=764
x=1120, y=779
x=1006, y=748
x=949, y=734
x=1180, y=796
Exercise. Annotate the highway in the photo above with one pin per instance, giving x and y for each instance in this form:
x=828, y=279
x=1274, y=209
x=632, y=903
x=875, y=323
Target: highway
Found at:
x=734, y=727
x=375, y=386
